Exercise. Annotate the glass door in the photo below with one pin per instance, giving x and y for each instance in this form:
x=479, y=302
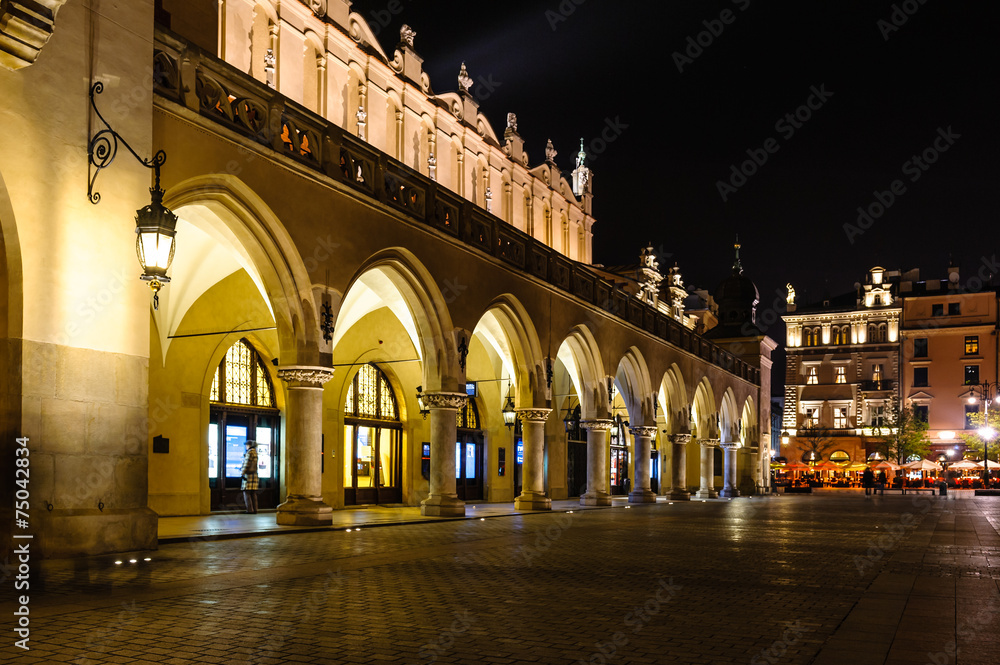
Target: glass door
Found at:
x=372, y=465
x=228, y=432
x=469, y=467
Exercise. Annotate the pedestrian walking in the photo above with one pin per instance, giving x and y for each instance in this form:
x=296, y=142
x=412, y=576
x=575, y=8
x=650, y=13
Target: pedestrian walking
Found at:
x=251, y=481
x=867, y=480
x=881, y=482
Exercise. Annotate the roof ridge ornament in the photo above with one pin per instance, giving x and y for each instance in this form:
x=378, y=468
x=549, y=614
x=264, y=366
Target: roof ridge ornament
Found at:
x=550, y=152
x=464, y=80
x=737, y=266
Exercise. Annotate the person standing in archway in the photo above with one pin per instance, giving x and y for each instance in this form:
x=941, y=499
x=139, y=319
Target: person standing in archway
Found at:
x=251, y=481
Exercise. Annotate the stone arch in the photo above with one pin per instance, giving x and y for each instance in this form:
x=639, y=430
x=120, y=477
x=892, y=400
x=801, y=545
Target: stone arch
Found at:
x=237, y=217
x=11, y=286
x=581, y=355
x=728, y=417
x=507, y=326
x=749, y=431
x=402, y=283
x=635, y=387
x=674, y=403
x=704, y=424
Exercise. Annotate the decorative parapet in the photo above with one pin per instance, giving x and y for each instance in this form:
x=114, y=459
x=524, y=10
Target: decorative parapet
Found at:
x=533, y=414
x=25, y=27
x=305, y=376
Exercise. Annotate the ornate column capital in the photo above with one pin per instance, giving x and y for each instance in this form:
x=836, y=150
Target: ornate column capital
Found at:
x=445, y=400
x=305, y=376
x=708, y=443
x=533, y=414
x=729, y=445
x=643, y=430
x=680, y=438
x=603, y=425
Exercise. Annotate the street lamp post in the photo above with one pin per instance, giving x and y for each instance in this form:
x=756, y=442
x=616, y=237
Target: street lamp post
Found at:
x=987, y=392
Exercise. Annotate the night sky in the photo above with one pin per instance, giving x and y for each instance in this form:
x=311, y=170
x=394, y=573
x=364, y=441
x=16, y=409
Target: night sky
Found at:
x=892, y=79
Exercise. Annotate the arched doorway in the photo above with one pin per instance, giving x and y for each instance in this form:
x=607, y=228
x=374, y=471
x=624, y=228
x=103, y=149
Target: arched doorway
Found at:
x=470, y=467
x=242, y=408
x=373, y=433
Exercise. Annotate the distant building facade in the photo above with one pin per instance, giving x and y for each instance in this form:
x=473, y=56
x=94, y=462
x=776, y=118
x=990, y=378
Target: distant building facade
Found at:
x=894, y=340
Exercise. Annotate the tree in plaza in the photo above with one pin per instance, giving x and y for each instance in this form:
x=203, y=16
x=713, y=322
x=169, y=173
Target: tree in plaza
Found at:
x=904, y=435
x=974, y=441
x=813, y=441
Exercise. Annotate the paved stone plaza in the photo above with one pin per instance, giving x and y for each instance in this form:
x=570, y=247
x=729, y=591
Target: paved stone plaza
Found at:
x=829, y=580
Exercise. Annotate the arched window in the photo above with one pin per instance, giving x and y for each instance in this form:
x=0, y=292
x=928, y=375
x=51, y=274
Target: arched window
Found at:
x=840, y=457
x=242, y=408
x=373, y=465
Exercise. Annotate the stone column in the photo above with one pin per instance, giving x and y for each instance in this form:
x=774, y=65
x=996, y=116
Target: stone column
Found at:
x=729, y=488
x=533, y=469
x=304, y=436
x=443, y=501
x=707, y=488
x=597, y=463
x=678, y=464
x=641, y=493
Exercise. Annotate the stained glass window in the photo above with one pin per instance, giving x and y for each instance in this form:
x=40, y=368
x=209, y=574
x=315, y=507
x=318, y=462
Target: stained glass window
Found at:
x=468, y=416
x=242, y=379
x=370, y=396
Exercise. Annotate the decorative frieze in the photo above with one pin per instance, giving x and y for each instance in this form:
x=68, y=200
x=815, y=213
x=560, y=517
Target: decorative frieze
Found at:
x=533, y=414
x=304, y=376
x=445, y=400
x=602, y=425
x=643, y=431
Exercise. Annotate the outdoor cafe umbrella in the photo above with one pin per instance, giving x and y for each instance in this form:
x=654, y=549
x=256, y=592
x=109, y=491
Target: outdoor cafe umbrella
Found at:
x=886, y=465
x=963, y=465
x=981, y=465
x=922, y=465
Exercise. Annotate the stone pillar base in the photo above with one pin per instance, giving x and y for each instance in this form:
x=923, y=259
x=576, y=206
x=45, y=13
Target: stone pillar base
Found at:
x=87, y=532
x=442, y=506
x=641, y=496
x=679, y=495
x=532, y=501
x=729, y=493
x=595, y=499
x=301, y=511
x=706, y=494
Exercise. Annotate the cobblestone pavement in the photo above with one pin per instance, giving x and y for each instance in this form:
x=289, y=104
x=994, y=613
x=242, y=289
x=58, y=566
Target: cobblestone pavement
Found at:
x=822, y=579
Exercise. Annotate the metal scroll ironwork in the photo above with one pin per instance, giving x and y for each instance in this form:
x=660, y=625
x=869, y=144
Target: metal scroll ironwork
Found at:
x=103, y=148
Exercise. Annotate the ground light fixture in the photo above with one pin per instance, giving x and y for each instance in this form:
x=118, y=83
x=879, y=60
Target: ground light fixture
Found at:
x=155, y=224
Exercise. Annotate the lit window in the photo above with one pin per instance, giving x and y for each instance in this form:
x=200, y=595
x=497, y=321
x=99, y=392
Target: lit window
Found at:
x=811, y=419
x=811, y=377
x=878, y=416
x=971, y=410
x=971, y=345
x=841, y=375
x=840, y=418
x=877, y=372
x=241, y=378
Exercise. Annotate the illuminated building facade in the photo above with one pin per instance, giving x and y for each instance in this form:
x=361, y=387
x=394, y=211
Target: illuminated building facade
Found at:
x=949, y=343
x=370, y=281
x=842, y=372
